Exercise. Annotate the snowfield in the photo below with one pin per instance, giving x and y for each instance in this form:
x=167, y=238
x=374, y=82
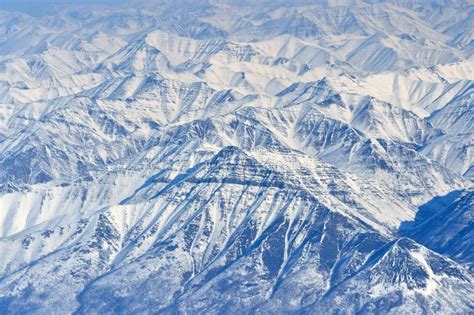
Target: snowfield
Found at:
x=238, y=157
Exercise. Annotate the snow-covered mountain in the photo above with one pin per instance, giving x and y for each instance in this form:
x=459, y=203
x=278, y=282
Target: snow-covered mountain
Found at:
x=238, y=157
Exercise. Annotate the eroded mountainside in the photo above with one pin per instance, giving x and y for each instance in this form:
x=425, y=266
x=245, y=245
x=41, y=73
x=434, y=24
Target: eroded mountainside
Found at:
x=238, y=157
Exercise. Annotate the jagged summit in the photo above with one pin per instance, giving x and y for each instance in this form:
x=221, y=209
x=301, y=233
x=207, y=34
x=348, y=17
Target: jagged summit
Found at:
x=237, y=157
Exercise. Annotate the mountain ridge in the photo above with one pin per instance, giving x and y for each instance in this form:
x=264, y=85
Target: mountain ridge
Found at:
x=235, y=157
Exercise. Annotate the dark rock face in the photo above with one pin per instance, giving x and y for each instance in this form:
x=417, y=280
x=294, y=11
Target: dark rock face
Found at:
x=446, y=225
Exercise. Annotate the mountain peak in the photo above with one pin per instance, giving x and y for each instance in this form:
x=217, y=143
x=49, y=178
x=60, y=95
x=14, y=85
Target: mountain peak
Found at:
x=247, y=156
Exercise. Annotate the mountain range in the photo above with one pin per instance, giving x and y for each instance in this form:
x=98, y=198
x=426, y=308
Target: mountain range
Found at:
x=238, y=157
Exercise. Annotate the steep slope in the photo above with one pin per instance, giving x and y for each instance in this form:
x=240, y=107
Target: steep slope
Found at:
x=446, y=226
x=422, y=280
x=237, y=157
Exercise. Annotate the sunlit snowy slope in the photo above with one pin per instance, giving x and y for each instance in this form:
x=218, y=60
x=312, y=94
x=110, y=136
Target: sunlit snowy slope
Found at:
x=238, y=157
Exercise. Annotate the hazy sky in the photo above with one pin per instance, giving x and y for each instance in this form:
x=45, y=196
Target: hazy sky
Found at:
x=38, y=7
